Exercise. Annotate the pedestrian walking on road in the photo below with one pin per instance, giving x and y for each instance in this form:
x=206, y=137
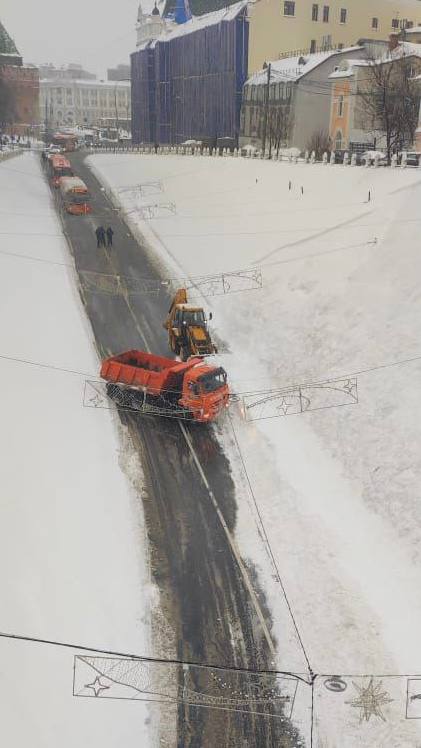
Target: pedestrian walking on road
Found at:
x=110, y=234
x=100, y=237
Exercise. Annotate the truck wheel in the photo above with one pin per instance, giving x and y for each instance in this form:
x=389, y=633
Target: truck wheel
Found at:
x=137, y=400
x=115, y=393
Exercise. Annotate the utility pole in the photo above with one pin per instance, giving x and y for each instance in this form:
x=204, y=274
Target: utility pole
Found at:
x=46, y=117
x=265, y=114
x=117, y=124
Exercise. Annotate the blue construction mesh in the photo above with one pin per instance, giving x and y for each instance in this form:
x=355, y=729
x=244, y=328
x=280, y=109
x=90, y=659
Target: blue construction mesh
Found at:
x=191, y=85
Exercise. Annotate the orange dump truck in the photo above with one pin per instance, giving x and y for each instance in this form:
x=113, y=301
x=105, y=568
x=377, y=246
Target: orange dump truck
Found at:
x=75, y=196
x=59, y=167
x=162, y=386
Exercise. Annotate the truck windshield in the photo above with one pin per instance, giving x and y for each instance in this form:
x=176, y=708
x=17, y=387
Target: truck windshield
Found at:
x=213, y=381
x=194, y=318
x=80, y=198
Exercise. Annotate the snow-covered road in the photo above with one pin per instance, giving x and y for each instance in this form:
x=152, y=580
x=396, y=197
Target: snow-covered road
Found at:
x=337, y=489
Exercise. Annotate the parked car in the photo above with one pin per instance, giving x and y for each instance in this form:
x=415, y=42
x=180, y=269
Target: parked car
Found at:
x=373, y=156
x=412, y=158
x=249, y=150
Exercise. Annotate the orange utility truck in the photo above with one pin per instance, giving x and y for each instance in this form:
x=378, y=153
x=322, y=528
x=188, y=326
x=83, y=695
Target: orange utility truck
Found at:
x=75, y=196
x=59, y=167
x=157, y=385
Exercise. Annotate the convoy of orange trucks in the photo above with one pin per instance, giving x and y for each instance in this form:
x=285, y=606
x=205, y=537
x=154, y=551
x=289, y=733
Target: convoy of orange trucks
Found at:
x=140, y=381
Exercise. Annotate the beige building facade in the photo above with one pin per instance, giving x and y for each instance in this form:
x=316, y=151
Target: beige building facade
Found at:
x=278, y=27
x=84, y=102
x=352, y=127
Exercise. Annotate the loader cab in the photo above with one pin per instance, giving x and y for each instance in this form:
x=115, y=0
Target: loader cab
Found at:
x=189, y=317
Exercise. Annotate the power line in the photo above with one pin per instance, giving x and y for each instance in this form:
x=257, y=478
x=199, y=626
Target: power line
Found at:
x=41, y=365
x=145, y=658
x=271, y=554
x=204, y=665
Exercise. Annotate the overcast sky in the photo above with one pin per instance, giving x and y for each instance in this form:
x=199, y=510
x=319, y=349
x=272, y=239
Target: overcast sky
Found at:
x=95, y=33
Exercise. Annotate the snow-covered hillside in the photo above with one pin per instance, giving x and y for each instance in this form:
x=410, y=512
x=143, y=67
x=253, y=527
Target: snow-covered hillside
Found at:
x=338, y=488
x=72, y=567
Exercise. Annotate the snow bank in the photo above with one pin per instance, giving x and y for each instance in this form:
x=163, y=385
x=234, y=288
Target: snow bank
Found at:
x=337, y=489
x=73, y=567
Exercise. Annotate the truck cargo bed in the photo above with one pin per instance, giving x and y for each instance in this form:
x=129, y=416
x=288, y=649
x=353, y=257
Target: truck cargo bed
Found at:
x=146, y=370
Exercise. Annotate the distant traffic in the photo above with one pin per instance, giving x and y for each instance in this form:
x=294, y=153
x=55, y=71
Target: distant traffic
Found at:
x=72, y=192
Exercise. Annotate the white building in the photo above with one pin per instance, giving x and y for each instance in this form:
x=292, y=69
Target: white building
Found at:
x=84, y=102
x=150, y=23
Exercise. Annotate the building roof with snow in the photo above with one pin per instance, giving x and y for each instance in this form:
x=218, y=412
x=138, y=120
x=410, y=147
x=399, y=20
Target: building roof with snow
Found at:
x=347, y=69
x=166, y=8
x=413, y=30
x=68, y=83
x=196, y=23
x=291, y=69
x=404, y=49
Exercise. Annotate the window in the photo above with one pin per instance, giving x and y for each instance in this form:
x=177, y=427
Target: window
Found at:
x=395, y=23
x=315, y=12
x=340, y=106
x=343, y=15
x=289, y=8
x=375, y=23
x=312, y=46
x=325, y=14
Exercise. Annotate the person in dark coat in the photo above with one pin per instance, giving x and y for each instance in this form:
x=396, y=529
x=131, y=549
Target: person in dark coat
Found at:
x=110, y=234
x=100, y=236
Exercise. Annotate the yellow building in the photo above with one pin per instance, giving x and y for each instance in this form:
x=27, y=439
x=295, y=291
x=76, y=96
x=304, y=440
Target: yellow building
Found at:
x=285, y=26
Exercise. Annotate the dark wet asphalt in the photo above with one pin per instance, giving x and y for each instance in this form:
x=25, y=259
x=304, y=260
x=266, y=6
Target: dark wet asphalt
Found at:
x=202, y=591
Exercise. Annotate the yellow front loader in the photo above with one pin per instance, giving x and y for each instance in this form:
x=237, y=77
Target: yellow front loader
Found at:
x=187, y=326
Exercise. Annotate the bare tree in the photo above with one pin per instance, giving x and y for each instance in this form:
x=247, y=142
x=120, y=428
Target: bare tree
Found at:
x=388, y=102
x=319, y=142
x=279, y=127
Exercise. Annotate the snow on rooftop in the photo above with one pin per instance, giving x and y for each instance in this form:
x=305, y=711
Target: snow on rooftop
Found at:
x=347, y=71
x=63, y=83
x=197, y=23
x=405, y=49
x=293, y=68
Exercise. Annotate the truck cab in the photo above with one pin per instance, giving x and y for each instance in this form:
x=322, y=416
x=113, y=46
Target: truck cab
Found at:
x=205, y=391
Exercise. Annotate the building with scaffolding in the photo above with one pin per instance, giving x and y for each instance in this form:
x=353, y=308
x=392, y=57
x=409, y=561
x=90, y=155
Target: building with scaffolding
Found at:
x=188, y=74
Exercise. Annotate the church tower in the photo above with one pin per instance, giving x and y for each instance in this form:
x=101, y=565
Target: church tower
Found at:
x=149, y=25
